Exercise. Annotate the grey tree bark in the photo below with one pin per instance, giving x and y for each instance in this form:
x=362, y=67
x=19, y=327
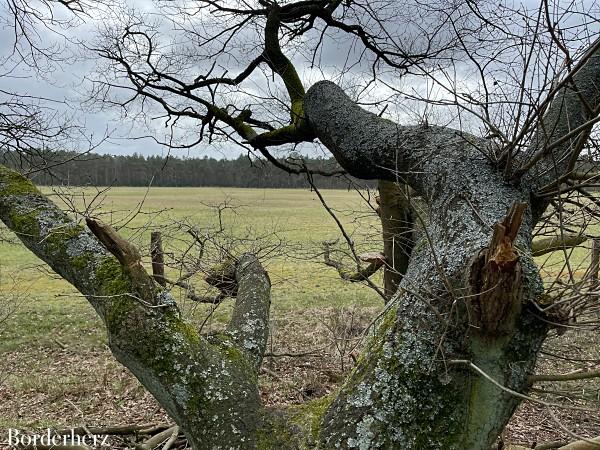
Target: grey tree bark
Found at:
x=403, y=393
x=466, y=299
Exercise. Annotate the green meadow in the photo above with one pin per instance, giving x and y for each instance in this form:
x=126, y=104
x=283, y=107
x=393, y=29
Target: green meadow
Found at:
x=292, y=224
x=49, y=320
x=56, y=369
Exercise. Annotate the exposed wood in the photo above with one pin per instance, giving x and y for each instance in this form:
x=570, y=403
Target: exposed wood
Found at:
x=128, y=256
x=495, y=277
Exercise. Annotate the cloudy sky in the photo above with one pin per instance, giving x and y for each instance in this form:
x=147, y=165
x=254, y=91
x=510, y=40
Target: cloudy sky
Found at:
x=66, y=83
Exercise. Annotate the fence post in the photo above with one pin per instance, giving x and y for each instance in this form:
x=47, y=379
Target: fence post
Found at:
x=595, y=264
x=158, y=260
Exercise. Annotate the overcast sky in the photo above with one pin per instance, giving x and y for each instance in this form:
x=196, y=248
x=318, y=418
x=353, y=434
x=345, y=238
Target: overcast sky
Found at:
x=66, y=84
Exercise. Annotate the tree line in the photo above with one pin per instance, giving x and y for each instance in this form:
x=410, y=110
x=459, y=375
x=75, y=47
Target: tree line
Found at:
x=73, y=169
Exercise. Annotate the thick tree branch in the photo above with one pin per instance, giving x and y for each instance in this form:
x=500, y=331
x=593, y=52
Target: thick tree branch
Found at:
x=201, y=382
x=562, y=131
x=282, y=66
x=380, y=148
x=540, y=247
x=249, y=324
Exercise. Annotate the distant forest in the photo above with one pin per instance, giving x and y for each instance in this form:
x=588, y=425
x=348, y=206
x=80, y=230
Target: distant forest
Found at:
x=71, y=169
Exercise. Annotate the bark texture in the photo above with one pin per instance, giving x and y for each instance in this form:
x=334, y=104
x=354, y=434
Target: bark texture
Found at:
x=208, y=384
x=402, y=394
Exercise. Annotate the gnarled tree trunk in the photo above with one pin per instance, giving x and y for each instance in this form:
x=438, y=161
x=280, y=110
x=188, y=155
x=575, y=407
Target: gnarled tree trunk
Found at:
x=463, y=309
x=405, y=392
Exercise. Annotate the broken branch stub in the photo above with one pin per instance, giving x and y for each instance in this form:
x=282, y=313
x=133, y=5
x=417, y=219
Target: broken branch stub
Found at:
x=495, y=278
x=128, y=256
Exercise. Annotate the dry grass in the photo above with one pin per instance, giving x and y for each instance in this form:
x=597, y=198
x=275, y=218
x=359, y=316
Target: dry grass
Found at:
x=56, y=370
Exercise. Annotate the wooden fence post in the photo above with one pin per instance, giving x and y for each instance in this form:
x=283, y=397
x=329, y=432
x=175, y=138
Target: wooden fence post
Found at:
x=158, y=259
x=595, y=263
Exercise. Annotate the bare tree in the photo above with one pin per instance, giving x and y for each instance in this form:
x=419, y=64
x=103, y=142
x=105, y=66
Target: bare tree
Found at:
x=454, y=351
x=32, y=125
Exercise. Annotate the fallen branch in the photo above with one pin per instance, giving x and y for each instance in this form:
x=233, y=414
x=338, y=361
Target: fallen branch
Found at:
x=577, y=375
x=54, y=447
x=376, y=262
x=157, y=433
x=583, y=444
x=550, y=445
x=172, y=439
x=158, y=439
x=121, y=430
x=542, y=246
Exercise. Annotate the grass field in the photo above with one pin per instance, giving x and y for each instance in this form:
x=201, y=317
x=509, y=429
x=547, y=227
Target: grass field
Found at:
x=55, y=368
x=53, y=344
